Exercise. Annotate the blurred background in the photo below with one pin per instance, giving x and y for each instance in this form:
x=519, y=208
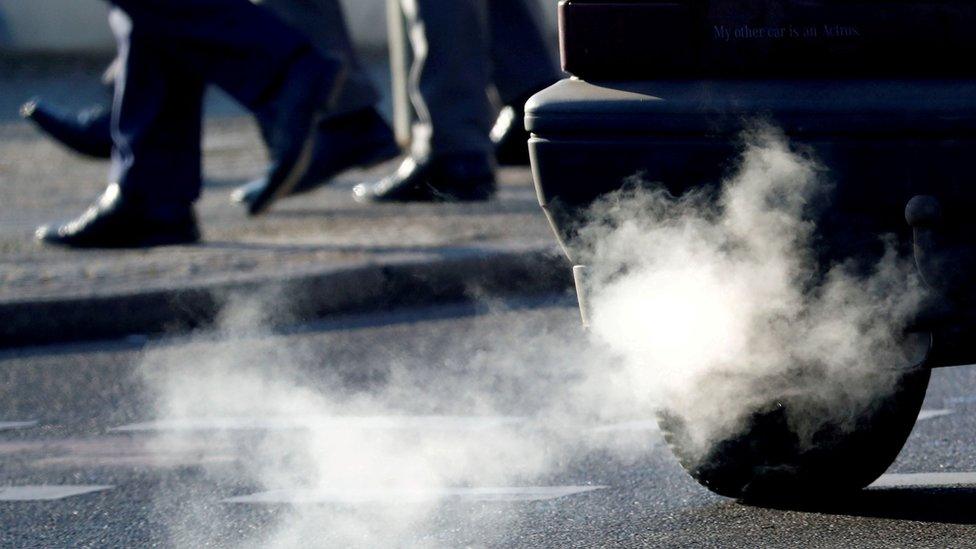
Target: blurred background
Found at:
x=78, y=26
x=45, y=44
x=58, y=50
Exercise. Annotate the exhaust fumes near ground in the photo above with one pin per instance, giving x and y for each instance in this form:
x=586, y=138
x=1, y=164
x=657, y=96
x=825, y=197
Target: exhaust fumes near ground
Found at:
x=390, y=442
x=718, y=306
x=709, y=305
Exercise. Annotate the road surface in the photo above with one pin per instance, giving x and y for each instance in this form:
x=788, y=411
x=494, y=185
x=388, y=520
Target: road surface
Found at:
x=452, y=426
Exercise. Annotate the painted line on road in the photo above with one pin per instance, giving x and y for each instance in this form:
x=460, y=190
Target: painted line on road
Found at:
x=11, y=425
x=279, y=423
x=932, y=414
x=46, y=492
x=924, y=480
x=492, y=494
x=638, y=425
x=155, y=461
x=122, y=451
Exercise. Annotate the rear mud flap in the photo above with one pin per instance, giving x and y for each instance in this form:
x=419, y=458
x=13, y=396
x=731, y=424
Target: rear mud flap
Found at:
x=946, y=261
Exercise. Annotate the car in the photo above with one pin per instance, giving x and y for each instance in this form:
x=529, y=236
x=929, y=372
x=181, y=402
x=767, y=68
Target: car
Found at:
x=884, y=94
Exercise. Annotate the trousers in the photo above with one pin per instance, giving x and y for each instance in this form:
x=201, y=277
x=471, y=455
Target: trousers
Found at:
x=465, y=51
x=170, y=50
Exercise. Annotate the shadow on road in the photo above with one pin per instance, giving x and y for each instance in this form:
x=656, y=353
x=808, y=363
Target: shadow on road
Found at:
x=956, y=505
x=494, y=207
x=445, y=251
x=213, y=183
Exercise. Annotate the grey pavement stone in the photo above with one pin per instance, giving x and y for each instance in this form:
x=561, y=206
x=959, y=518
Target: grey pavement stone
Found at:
x=304, y=243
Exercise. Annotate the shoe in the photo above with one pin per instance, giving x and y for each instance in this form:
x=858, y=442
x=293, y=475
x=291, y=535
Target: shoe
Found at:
x=510, y=139
x=464, y=177
x=308, y=91
x=115, y=222
x=88, y=132
x=361, y=139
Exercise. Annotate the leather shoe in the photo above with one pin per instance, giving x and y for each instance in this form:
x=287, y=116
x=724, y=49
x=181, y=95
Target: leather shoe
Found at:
x=114, y=221
x=360, y=139
x=510, y=139
x=463, y=177
x=88, y=132
x=294, y=112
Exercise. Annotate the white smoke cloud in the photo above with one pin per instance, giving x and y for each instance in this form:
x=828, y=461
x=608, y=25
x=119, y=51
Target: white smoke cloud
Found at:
x=346, y=438
x=710, y=305
x=720, y=308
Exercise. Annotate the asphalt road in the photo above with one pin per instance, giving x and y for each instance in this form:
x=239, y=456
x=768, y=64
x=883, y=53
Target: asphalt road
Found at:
x=454, y=426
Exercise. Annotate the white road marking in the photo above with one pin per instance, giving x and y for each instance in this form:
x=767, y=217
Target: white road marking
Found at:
x=276, y=423
x=925, y=480
x=500, y=494
x=930, y=414
x=46, y=492
x=124, y=451
x=639, y=425
x=967, y=399
x=157, y=461
x=11, y=425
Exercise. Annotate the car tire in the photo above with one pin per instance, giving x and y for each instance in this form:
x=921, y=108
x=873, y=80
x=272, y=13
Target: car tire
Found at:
x=765, y=461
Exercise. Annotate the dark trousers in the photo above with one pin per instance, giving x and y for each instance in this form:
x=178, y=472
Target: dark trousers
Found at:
x=169, y=51
x=323, y=23
x=462, y=50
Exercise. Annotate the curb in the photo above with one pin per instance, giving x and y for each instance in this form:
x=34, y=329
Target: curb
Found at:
x=302, y=297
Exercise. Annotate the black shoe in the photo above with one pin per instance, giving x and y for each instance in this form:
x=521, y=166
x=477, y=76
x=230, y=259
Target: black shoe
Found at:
x=361, y=139
x=115, y=222
x=88, y=132
x=309, y=89
x=465, y=177
x=510, y=139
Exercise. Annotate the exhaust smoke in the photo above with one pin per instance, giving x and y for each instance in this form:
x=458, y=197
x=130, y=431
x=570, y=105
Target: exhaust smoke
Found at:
x=719, y=308
x=710, y=305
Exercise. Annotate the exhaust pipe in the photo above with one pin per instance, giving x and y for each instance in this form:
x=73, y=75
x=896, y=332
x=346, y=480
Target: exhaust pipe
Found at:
x=582, y=292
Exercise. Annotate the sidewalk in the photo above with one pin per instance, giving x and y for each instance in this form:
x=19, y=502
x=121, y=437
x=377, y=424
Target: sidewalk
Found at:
x=322, y=252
